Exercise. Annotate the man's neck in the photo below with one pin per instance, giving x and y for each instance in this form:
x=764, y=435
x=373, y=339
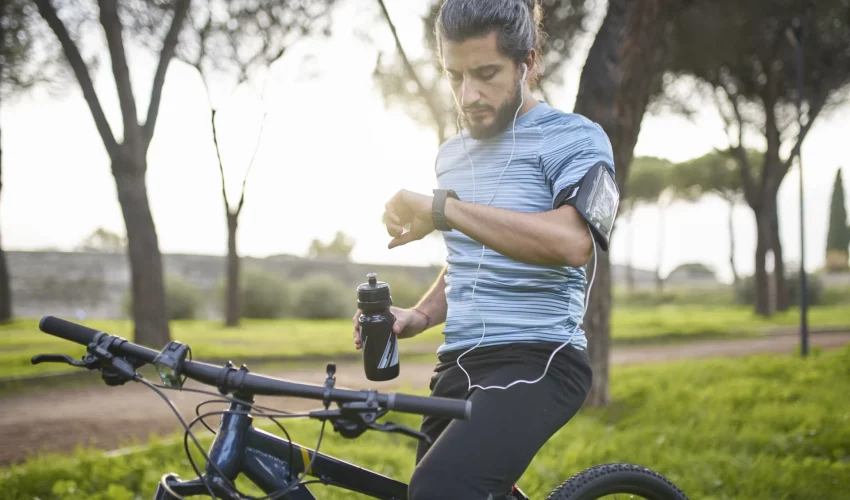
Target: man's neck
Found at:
x=528, y=101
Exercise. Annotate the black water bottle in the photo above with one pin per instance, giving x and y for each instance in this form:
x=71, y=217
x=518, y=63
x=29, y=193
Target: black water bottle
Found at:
x=379, y=343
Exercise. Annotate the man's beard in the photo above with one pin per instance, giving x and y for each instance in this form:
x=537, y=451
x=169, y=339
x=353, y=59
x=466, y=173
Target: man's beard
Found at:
x=503, y=116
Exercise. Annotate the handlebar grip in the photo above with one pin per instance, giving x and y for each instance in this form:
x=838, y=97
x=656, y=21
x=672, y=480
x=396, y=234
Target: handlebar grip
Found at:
x=67, y=330
x=434, y=406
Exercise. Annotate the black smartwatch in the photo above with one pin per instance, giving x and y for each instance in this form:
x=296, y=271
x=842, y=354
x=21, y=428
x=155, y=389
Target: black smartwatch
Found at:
x=438, y=208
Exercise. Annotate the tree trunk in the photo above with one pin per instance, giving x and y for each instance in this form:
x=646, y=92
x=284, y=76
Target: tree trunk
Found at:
x=622, y=70
x=735, y=278
x=630, y=269
x=597, y=321
x=761, y=290
x=149, y=307
x=5, y=287
x=659, y=283
x=780, y=284
x=232, y=314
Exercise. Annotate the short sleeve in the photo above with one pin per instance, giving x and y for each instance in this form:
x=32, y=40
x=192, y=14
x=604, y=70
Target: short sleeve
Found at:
x=572, y=144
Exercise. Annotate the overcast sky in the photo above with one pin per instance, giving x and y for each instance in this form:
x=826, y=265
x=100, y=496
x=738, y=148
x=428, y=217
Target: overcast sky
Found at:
x=331, y=155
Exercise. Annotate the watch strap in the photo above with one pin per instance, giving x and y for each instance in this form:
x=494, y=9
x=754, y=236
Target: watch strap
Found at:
x=438, y=208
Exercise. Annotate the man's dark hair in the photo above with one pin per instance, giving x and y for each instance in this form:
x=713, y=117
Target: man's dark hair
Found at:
x=518, y=24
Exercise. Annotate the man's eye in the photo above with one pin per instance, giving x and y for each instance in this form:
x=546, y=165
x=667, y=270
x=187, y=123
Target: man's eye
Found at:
x=488, y=75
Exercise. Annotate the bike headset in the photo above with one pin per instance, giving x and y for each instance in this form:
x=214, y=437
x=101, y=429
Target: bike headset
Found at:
x=483, y=248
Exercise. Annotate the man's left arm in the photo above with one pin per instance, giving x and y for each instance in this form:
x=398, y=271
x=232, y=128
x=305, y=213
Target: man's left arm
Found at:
x=554, y=238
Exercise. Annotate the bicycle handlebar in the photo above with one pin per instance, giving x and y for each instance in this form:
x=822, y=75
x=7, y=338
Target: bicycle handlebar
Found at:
x=259, y=384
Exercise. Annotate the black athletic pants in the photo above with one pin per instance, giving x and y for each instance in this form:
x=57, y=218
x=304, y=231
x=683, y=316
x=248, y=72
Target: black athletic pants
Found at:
x=486, y=455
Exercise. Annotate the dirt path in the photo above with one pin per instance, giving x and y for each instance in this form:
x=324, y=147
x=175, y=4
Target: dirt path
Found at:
x=111, y=417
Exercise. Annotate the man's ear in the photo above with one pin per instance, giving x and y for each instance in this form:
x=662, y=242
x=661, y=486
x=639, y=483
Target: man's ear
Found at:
x=530, y=61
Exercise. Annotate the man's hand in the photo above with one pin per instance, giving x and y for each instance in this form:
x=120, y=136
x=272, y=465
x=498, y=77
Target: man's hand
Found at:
x=408, y=323
x=408, y=209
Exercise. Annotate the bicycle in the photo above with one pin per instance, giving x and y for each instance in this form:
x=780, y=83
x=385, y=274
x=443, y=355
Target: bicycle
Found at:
x=279, y=466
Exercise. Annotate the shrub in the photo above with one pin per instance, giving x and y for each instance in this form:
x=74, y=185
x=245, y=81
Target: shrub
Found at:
x=404, y=288
x=322, y=296
x=183, y=300
x=262, y=295
x=814, y=288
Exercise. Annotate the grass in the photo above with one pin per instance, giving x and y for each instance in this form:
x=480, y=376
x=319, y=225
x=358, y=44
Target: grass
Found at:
x=293, y=338
x=762, y=427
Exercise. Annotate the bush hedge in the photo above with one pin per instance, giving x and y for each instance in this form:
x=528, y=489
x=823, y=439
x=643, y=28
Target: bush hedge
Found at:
x=183, y=300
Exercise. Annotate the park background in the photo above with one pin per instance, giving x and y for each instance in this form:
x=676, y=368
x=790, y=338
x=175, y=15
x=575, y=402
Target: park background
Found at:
x=331, y=122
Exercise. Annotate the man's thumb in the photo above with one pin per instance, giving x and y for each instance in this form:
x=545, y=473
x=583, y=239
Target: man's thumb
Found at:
x=399, y=324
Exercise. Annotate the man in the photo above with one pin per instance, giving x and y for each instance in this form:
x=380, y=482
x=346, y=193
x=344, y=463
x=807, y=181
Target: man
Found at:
x=513, y=292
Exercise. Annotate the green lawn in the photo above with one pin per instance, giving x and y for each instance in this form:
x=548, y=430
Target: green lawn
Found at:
x=293, y=338
x=762, y=427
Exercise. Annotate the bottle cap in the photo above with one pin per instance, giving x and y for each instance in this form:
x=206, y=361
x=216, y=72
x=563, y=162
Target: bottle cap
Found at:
x=373, y=294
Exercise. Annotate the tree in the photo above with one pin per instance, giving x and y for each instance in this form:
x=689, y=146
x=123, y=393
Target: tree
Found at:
x=623, y=70
x=128, y=157
x=339, y=248
x=740, y=52
x=26, y=60
x=420, y=87
x=103, y=240
x=838, y=235
x=715, y=173
x=650, y=182
x=242, y=40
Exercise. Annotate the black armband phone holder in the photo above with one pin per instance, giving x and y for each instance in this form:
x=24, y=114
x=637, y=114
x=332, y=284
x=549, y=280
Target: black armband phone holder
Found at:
x=596, y=197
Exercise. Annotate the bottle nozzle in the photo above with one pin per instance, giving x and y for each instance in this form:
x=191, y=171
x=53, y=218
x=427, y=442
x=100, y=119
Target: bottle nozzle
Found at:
x=373, y=278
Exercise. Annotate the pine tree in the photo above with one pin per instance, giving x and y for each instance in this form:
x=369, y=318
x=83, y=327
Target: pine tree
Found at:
x=838, y=235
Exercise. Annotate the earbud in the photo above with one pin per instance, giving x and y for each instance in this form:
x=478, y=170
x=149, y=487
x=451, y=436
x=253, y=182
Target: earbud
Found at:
x=524, y=71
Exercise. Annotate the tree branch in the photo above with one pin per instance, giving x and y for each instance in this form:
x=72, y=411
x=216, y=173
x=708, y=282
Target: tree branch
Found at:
x=740, y=153
x=251, y=165
x=218, y=156
x=72, y=53
x=814, y=110
x=113, y=30
x=433, y=106
x=169, y=46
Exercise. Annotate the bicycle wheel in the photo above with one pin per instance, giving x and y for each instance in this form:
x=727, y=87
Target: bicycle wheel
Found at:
x=610, y=480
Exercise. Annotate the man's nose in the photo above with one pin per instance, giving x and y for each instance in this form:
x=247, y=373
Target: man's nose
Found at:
x=469, y=93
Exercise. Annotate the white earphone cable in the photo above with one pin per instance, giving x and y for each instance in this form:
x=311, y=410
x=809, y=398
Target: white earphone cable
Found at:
x=483, y=248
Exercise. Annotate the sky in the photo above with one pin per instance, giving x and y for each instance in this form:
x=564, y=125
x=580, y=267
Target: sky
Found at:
x=332, y=153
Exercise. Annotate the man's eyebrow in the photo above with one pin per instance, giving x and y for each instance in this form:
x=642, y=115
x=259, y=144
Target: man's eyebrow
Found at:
x=478, y=69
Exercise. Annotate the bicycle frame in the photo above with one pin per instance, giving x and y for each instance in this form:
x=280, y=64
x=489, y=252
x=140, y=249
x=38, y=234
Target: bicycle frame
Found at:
x=239, y=448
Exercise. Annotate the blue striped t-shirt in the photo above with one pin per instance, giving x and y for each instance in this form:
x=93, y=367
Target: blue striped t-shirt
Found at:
x=519, y=302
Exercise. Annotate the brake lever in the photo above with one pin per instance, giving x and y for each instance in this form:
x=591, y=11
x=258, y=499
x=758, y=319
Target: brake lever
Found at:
x=401, y=429
x=87, y=362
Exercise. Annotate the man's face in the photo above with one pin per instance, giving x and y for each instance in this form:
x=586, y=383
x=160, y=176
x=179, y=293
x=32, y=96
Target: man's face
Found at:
x=485, y=84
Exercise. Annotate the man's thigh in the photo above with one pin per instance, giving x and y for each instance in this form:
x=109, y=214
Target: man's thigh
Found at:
x=489, y=452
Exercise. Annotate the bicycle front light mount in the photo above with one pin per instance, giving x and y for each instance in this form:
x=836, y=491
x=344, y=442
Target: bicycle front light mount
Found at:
x=169, y=364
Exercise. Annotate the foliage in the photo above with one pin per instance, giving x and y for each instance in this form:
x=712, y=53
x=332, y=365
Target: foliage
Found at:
x=262, y=295
x=760, y=427
x=814, y=289
x=338, y=248
x=422, y=90
x=28, y=57
x=182, y=299
x=103, y=240
x=649, y=178
x=838, y=235
x=322, y=296
x=695, y=269
x=406, y=291
x=713, y=173
x=742, y=55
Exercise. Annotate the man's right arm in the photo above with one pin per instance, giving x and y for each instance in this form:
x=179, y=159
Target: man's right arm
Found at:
x=430, y=311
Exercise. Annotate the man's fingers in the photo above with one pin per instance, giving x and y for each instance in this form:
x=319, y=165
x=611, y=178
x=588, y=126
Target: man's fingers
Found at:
x=394, y=229
x=403, y=239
